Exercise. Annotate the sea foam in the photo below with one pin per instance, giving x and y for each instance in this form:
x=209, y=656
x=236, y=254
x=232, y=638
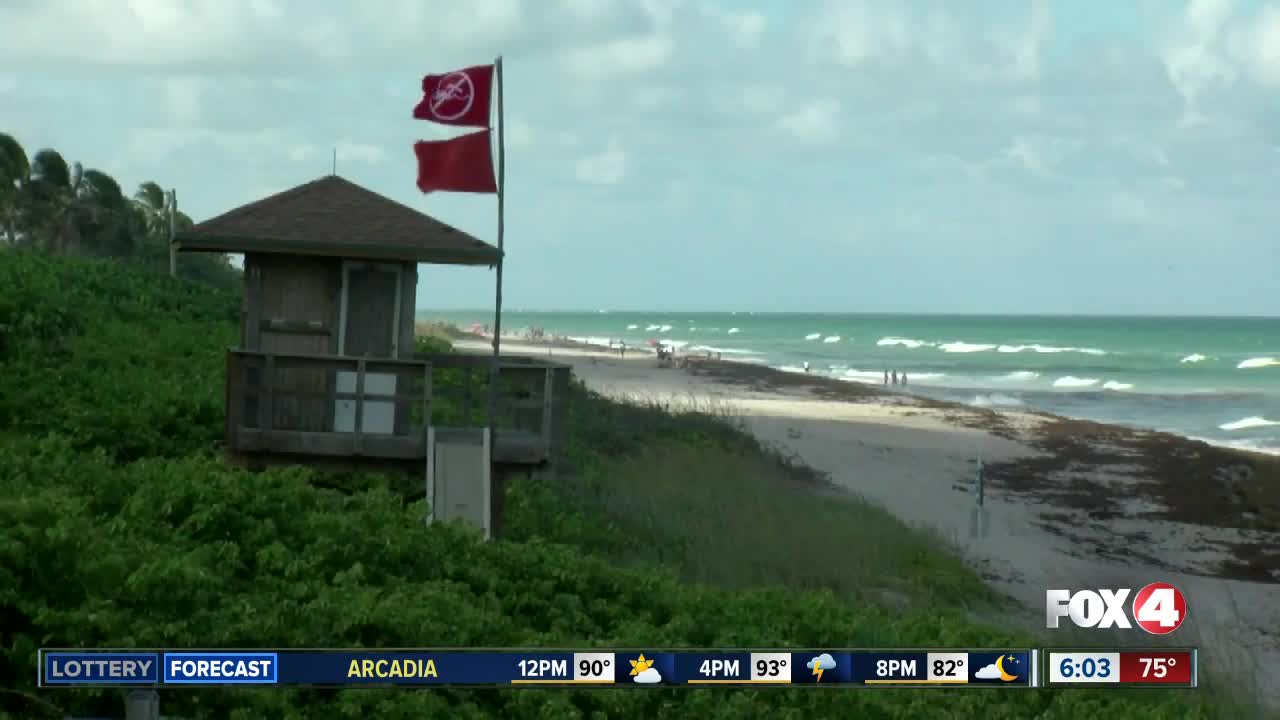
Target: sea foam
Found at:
x=996, y=400
x=733, y=330
x=1020, y=375
x=964, y=347
x=724, y=351
x=831, y=339
x=1072, y=381
x=1113, y=385
x=1049, y=349
x=813, y=336
x=1194, y=358
x=1249, y=422
x=1258, y=362
x=905, y=342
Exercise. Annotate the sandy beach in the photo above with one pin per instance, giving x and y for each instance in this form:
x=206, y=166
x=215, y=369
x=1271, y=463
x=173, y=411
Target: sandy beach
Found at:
x=1069, y=504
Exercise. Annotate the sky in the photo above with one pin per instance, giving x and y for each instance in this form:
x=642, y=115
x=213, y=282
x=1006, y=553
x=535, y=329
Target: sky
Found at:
x=1019, y=156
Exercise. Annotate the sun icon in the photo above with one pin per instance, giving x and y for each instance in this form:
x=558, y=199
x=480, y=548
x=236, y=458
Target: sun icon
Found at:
x=639, y=666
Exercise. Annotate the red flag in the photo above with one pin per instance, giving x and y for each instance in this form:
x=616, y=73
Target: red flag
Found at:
x=463, y=164
x=458, y=98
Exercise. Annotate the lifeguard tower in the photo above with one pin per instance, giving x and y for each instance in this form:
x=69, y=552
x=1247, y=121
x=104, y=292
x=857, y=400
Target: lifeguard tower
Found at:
x=326, y=372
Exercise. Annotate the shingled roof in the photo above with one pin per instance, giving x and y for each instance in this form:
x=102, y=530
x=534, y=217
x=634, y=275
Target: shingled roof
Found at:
x=335, y=217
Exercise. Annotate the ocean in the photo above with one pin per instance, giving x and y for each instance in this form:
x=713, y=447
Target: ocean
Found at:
x=1216, y=379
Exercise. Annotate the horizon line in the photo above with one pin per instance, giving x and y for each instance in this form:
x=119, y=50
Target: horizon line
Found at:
x=597, y=311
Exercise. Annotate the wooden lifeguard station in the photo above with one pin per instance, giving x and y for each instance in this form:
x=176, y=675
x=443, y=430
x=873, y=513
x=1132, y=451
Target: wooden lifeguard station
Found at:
x=326, y=371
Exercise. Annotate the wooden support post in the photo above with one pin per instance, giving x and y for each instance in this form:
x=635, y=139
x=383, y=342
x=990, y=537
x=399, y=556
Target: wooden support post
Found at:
x=142, y=705
x=267, y=418
x=548, y=395
x=426, y=397
x=359, y=420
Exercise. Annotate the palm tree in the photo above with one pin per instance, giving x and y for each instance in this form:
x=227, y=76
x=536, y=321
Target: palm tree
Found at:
x=48, y=196
x=103, y=215
x=14, y=171
x=153, y=202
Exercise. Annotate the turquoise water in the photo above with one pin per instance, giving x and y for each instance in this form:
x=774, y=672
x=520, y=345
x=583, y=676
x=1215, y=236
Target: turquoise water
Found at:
x=1213, y=378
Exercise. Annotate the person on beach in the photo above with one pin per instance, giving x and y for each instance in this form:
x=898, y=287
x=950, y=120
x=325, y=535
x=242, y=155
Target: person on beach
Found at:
x=904, y=377
x=806, y=366
x=895, y=377
x=886, y=378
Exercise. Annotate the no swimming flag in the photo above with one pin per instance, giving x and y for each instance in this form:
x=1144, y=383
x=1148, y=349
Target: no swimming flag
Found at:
x=461, y=97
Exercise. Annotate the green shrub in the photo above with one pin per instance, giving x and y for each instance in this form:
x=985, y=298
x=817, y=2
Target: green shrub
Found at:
x=120, y=526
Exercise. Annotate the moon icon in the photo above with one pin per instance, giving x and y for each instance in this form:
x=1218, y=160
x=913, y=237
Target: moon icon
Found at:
x=1004, y=675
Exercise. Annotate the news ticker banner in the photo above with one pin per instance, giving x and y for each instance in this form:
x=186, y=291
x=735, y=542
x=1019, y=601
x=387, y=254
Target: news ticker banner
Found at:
x=1019, y=668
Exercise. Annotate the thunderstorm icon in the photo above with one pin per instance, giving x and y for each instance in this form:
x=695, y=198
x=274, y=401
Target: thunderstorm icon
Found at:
x=821, y=664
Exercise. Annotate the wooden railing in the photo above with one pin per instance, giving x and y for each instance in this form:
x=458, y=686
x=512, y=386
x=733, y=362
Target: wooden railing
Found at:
x=306, y=404
x=302, y=404
x=532, y=407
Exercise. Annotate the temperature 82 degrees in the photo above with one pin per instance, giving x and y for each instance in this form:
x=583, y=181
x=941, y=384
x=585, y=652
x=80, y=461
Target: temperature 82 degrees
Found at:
x=1157, y=667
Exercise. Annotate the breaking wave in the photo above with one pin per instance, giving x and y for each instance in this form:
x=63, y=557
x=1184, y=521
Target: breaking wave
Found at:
x=724, y=351
x=1049, y=349
x=813, y=336
x=1194, y=358
x=1259, y=446
x=1258, y=362
x=959, y=346
x=1113, y=385
x=1249, y=422
x=964, y=347
x=1019, y=375
x=905, y=342
x=831, y=339
x=1072, y=381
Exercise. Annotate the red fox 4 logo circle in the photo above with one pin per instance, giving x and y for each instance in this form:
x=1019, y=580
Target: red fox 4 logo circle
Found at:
x=1158, y=608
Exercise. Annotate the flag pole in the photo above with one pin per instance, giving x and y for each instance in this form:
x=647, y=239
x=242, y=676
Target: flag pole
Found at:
x=495, y=371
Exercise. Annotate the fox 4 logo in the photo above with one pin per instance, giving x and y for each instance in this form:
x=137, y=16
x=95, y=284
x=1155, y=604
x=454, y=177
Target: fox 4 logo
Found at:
x=1158, y=608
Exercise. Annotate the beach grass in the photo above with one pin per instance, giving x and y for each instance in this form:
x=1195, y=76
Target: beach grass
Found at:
x=727, y=510
x=681, y=484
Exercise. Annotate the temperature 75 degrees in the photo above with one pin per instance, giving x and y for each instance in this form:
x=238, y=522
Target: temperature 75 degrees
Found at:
x=1157, y=667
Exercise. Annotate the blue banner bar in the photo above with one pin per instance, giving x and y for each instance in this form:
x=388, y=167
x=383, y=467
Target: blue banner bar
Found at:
x=681, y=668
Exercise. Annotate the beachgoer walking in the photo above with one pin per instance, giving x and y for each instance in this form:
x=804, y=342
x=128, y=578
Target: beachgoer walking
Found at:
x=904, y=377
x=886, y=377
x=895, y=377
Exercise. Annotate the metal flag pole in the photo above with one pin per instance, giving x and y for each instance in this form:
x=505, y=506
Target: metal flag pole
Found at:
x=497, y=301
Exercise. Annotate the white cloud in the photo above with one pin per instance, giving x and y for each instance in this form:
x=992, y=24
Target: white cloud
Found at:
x=1257, y=45
x=816, y=120
x=745, y=29
x=183, y=94
x=1028, y=46
x=606, y=167
x=955, y=126
x=627, y=55
x=1041, y=155
x=649, y=98
x=368, y=154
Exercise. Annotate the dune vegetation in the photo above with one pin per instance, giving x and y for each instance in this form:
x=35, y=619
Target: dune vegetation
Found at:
x=122, y=526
